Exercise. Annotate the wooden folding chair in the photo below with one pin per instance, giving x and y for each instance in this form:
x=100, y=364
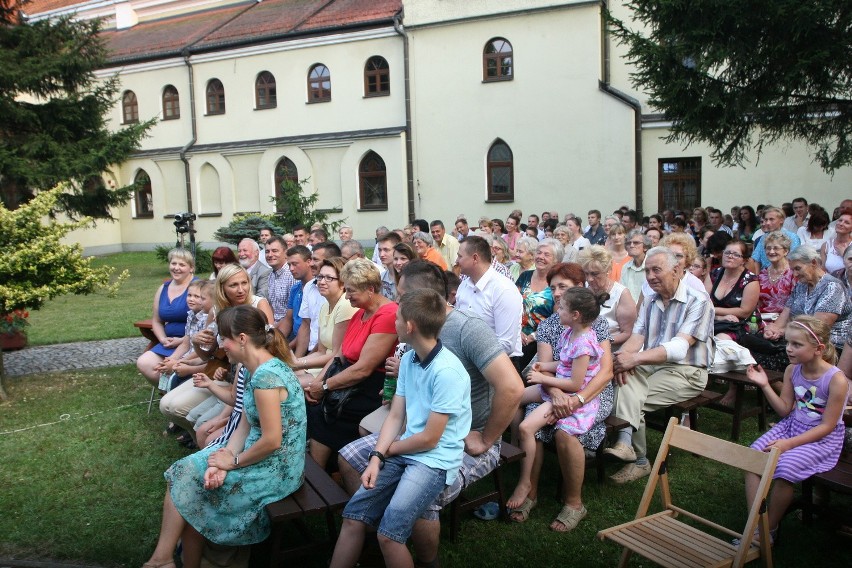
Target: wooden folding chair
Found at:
x=663, y=539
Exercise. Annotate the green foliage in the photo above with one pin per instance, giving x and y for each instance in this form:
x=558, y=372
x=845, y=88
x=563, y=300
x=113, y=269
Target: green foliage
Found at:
x=247, y=227
x=203, y=260
x=35, y=265
x=296, y=208
x=739, y=75
x=53, y=109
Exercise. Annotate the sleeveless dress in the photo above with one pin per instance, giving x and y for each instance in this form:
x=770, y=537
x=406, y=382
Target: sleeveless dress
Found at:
x=733, y=299
x=801, y=462
x=173, y=315
x=234, y=514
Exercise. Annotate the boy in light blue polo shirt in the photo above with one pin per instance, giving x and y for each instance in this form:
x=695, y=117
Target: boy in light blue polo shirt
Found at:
x=407, y=473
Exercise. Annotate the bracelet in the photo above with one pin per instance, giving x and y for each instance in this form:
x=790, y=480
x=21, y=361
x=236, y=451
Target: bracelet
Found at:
x=579, y=397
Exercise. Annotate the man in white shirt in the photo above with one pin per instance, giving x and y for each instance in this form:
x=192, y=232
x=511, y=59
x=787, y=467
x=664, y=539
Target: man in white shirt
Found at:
x=488, y=294
x=385, y=249
x=800, y=215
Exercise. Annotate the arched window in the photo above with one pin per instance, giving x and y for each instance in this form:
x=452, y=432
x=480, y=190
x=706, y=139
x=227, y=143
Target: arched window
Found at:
x=215, y=97
x=171, y=103
x=285, y=173
x=143, y=197
x=130, y=107
x=376, y=77
x=501, y=186
x=373, y=182
x=264, y=91
x=497, y=60
x=319, y=84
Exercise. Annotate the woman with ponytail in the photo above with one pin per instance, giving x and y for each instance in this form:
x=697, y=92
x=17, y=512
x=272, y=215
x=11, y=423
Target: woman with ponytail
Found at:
x=220, y=492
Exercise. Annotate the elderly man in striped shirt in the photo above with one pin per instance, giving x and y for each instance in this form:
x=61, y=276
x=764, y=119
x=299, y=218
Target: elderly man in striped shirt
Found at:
x=665, y=360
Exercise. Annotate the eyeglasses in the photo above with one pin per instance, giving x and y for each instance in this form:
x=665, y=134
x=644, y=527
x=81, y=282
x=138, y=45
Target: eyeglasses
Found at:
x=324, y=277
x=773, y=249
x=635, y=243
x=732, y=254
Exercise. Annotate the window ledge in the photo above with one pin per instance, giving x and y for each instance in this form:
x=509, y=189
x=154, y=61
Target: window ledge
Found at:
x=318, y=101
x=147, y=216
x=202, y=215
x=376, y=95
x=501, y=200
x=267, y=107
x=362, y=210
x=499, y=79
x=170, y=117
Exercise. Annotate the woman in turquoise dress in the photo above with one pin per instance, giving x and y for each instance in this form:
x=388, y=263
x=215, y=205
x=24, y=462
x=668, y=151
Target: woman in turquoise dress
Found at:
x=220, y=492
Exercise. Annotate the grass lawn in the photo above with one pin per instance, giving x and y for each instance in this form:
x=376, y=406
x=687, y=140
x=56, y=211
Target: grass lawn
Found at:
x=87, y=318
x=89, y=488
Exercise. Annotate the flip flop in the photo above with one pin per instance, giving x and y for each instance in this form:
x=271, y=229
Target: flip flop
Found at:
x=523, y=510
x=488, y=511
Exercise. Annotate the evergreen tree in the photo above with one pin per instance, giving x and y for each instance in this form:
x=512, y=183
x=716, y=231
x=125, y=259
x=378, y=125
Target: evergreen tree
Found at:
x=741, y=74
x=53, y=114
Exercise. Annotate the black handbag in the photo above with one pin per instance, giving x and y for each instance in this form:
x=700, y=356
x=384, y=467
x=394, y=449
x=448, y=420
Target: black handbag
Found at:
x=334, y=402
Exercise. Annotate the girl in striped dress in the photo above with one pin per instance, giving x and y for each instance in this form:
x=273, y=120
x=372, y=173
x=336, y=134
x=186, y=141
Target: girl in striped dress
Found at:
x=810, y=434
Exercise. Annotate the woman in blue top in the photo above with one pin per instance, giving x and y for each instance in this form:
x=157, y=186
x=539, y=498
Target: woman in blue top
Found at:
x=168, y=320
x=220, y=493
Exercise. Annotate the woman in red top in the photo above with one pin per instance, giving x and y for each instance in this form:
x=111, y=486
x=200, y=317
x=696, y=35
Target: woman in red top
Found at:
x=370, y=339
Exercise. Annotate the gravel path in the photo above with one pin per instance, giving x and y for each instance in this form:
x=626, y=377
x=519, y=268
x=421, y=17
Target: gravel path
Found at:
x=71, y=356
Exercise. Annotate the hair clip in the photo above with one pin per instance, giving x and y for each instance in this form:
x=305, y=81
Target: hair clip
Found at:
x=268, y=328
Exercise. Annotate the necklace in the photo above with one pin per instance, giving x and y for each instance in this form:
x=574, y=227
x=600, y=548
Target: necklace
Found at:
x=776, y=275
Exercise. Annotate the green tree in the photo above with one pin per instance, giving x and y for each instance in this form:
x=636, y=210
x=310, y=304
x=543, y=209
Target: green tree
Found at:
x=739, y=74
x=36, y=266
x=53, y=111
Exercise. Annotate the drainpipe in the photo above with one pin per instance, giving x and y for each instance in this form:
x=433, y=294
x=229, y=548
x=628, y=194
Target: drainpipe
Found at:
x=186, y=148
x=605, y=86
x=409, y=153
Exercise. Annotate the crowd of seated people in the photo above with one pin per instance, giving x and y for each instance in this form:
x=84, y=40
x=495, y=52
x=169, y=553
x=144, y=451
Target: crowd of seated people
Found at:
x=297, y=343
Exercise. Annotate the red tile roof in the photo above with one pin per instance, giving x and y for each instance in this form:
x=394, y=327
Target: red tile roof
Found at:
x=166, y=37
x=38, y=6
x=244, y=23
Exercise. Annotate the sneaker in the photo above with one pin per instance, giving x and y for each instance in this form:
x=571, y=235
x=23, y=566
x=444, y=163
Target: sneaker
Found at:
x=631, y=472
x=621, y=451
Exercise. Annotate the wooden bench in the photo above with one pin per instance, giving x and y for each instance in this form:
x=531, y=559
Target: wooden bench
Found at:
x=691, y=406
x=146, y=329
x=462, y=503
x=838, y=479
x=319, y=495
x=740, y=381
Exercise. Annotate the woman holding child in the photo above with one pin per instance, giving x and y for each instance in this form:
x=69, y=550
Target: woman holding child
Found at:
x=370, y=338
x=570, y=446
x=168, y=318
x=220, y=492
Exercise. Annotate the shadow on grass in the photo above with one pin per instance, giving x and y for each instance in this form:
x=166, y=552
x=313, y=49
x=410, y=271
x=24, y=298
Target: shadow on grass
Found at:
x=82, y=483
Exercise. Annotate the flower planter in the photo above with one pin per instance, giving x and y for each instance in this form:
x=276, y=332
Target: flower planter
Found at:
x=13, y=341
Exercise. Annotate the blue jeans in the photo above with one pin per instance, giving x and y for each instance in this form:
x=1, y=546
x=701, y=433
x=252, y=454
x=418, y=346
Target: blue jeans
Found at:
x=403, y=491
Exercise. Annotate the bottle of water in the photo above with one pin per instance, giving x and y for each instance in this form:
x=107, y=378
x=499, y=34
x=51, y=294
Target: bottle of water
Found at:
x=753, y=325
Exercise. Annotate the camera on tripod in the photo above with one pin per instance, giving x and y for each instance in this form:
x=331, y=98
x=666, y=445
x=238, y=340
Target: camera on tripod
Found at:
x=182, y=222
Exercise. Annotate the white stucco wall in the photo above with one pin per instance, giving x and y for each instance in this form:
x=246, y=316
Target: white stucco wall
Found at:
x=572, y=144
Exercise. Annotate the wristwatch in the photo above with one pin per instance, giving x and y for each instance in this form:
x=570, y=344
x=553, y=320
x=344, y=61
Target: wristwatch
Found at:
x=579, y=397
x=379, y=455
x=325, y=384
x=236, y=460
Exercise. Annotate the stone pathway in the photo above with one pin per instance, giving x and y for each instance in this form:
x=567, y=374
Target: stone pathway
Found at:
x=71, y=356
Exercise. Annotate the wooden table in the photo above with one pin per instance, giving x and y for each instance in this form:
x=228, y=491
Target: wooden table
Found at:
x=739, y=411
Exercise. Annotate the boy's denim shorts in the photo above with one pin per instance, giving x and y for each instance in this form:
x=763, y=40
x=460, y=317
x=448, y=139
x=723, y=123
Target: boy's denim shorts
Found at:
x=403, y=490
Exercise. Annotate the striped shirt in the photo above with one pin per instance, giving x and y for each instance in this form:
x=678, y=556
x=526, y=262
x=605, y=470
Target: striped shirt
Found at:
x=236, y=413
x=688, y=313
